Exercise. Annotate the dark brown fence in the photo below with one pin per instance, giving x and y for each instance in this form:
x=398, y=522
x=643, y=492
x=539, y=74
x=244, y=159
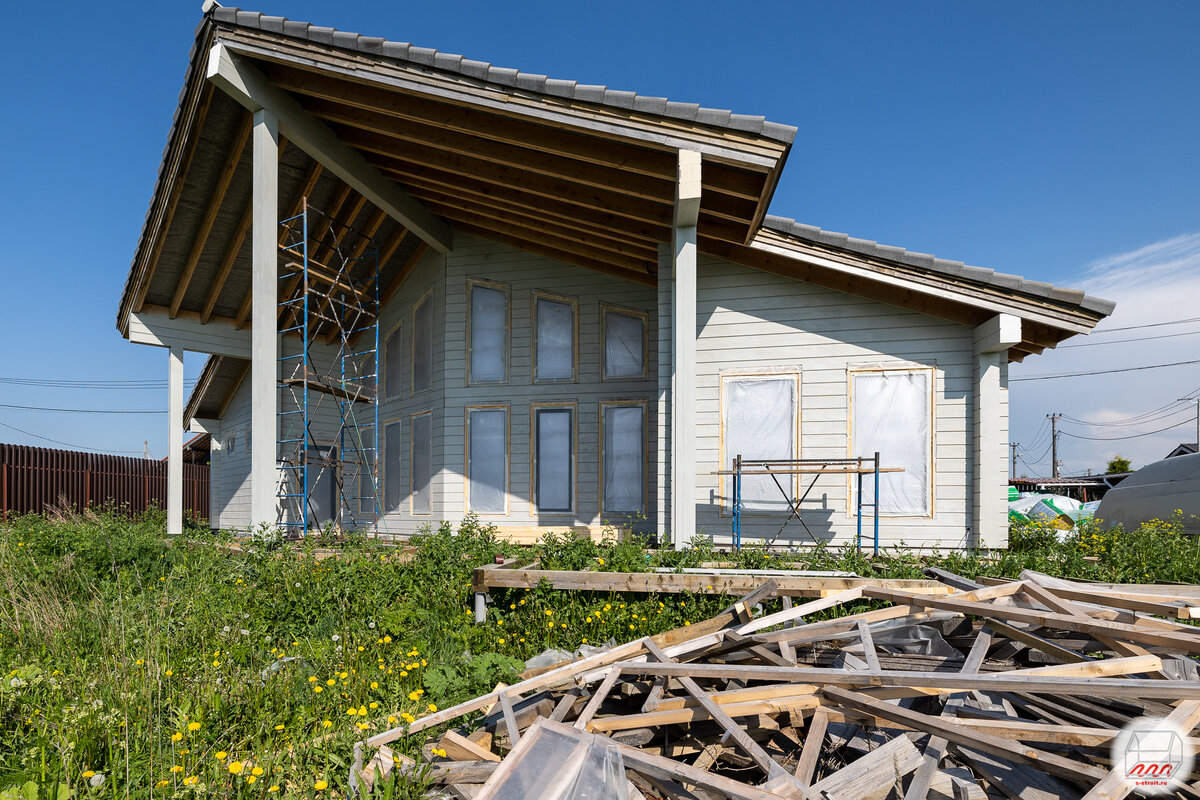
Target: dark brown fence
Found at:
x=34, y=479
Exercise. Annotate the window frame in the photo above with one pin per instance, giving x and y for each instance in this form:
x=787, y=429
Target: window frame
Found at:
x=930, y=371
x=399, y=326
x=381, y=490
x=762, y=373
x=646, y=454
x=507, y=459
x=412, y=471
x=507, y=291
x=644, y=316
x=427, y=297
x=534, y=502
x=533, y=322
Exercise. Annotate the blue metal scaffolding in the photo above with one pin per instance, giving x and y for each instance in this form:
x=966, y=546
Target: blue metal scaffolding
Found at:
x=328, y=442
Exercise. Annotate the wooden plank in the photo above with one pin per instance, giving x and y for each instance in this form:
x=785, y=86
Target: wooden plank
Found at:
x=802, y=610
x=1048, y=646
x=810, y=753
x=874, y=774
x=1115, y=785
x=460, y=748
x=1161, y=605
x=1005, y=748
x=510, y=720
x=868, y=646
x=678, y=716
x=599, y=697
x=1017, y=781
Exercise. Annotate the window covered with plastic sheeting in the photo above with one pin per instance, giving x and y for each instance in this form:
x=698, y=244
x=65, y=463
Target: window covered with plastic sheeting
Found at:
x=489, y=334
x=891, y=413
x=393, y=361
x=391, y=468
x=422, y=367
x=366, y=492
x=759, y=422
x=422, y=462
x=624, y=344
x=487, y=460
x=624, y=459
x=554, y=459
x=555, y=354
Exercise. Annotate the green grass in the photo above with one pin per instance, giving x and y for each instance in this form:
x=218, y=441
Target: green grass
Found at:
x=151, y=668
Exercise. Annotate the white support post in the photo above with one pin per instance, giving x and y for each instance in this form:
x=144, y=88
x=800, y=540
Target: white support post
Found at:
x=174, y=441
x=264, y=363
x=666, y=334
x=990, y=507
x=683, y=392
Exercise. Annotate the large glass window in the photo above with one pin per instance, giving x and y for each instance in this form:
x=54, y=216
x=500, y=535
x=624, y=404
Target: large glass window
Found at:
x=489, y=334
x=422, y=366
x=422, y=462
x=624, y=457
x=487, y=460
x=624, y=344
x=554, y=459
x=555, y=343
x=759, y=422
x=393, y=360
x=891, y=413
x=391, y=468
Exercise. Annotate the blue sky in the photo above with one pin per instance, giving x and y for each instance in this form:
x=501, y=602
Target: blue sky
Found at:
x=1053, y=140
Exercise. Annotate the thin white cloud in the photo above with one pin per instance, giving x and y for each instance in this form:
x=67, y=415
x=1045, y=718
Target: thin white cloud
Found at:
x=1156, y=283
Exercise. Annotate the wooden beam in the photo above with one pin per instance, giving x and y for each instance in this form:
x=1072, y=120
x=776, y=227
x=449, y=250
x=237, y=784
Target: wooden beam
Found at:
x=1116, y=784
x=192, y=138
x=214, y=207
x=248, y=86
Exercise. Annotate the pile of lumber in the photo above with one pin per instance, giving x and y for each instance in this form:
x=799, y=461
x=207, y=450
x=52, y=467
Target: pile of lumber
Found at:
x=1014, y=689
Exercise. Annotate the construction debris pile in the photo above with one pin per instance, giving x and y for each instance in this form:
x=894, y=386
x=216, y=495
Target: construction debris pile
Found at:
x=1013, y=689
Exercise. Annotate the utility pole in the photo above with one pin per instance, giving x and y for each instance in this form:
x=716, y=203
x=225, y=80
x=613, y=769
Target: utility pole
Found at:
x=1013, y=445
x=1053, y=443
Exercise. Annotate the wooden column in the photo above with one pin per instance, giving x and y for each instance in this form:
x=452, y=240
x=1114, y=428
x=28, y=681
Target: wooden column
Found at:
x=264, y=350
x=683, y=391
x=666, y=334
x=990, y=505
x=174, y=441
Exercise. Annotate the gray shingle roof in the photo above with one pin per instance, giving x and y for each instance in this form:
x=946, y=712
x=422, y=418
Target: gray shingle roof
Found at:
x=958, y=269
x=481, y=70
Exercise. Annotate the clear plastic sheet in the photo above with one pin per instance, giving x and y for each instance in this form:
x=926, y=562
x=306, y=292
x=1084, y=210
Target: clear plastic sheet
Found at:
x=391, y=467
x=760, y=423
x=554, y=459
x=423, y=346
x=624, y=459
x=393, y=363
x=548, y=764
x=891, y=417
x=489, y=334
x=624, y=345
x=487, y=468
x=555, y=340
x=422, y=462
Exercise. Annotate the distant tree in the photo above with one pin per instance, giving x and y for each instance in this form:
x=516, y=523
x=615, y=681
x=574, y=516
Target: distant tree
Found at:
x=1119, y=464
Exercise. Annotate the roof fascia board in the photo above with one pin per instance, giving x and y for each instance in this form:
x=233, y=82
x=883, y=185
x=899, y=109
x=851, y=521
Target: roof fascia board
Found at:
x=155, y=327
x=502, y=103
x=249, y=87
x=975, y=300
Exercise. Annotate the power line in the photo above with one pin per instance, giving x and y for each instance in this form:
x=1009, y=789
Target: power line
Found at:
x=1148, y=325
x=1124, y=341
x=68, y=444
x=1131, y=436
x=64, y=383
x=83, y=410
x=1143, y=416
x=1103, y=371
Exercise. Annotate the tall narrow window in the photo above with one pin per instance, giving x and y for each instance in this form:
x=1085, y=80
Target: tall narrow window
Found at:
x=624, y=490
x=393, y=360
x=555, y=345
x=487, y=460
x=554, y=459
x=890, y=414
x=391, y=468
x=624, y=344
x=422, y=366
x=759, y=416
x=422, y=462
x=366, y=492
x=489, y=334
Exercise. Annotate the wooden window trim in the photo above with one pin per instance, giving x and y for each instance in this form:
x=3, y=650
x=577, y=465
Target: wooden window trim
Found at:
x=397, y=419
x=507, y=290
x=646, y=455
x=533, y=344
x=412, y=452
x=412, y=367
x=399, y=326
x=507, y=459
x=723, y=460
x=534, y=408
x=605, y=310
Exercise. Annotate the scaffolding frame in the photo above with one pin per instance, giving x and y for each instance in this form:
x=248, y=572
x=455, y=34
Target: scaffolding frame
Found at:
x=329, y=279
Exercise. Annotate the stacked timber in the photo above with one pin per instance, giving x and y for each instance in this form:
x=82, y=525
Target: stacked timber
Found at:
x=1017, y=689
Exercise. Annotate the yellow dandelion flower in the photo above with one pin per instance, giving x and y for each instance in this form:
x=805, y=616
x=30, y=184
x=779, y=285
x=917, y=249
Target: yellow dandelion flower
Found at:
x=318, y=689
x=279, y=727
x=176, y=769
x=312, y=678
x=331, y=682
x=193, y=726
x=221, y=755
x=432, y=707
x=549, y=613
x=251, y=778
x=320, y=786
x=327, y=724
x=169, y=673
x=374, y=685
x=235, y=767
x=175, y=737
x=273, y=789
x=88, y=774
x=387, y=640
x=256, y=771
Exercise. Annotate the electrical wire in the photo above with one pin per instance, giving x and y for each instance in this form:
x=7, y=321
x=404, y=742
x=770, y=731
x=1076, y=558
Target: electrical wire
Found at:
x=1125, y=341
x=63, y=383
x=1148, y=325
x=84, y=410
x=1103, y=371
x=68, y=444
x=1131, y=436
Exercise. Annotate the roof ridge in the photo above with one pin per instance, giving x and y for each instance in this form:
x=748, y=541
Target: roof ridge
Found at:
x=811, y=233
x=503, y=76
